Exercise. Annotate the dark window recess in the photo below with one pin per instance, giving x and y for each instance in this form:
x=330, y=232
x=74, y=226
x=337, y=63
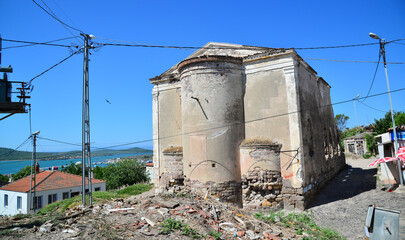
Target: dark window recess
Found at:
x=52, y=198
x=74, y=194
x=37, y=202
x=65, y=195
x=5, y=200
x=19, y=202
x=97, y=189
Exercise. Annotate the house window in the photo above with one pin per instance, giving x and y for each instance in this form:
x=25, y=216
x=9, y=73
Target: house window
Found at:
x=65, y=195
x=5, y=200
x=37, y=202
x=97, y=189
x=52, y=198
x=19, y=202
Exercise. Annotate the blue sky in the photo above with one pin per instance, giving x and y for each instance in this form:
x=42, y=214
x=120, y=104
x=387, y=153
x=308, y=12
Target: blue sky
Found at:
x=121, y=74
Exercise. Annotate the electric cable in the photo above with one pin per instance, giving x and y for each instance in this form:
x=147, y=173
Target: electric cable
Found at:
x=56, y=17
x=34, y=43
x=375, y=74
x=32, y=79
x=349, y=61
x=15, y=149
x=60, y=20
x=133, y=44
x=228, y=125
x=372, y=107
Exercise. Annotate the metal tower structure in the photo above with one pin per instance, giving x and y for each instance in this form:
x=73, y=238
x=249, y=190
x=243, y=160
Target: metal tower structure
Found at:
x=86, y=155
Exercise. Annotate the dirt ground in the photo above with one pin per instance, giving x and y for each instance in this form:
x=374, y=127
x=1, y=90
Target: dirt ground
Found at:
x=343, y=204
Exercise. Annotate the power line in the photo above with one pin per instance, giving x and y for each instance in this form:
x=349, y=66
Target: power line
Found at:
x=56, y=17
x=32, y=79
x=396, y=40
x=350, y=61
x=228, y=125
x=133, y=44
x=60, y=20
x=36, y=43
x=33, y=43
x=15, y=149
x=372, y=107
x=375, y=74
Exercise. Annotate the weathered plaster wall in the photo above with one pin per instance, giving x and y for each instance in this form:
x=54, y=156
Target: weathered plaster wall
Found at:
x=271, y=93
x=322, y=157
x=167, y=122
x=212, y=110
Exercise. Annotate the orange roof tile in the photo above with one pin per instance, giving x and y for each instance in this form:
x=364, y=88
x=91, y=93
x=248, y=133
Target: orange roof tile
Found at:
x=47, y=180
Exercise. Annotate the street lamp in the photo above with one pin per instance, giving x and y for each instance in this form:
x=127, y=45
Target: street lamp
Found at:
x=382, y=52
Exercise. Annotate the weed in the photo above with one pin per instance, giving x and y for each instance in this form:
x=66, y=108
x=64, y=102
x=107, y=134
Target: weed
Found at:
x=170, y=225
x=216, y=235
x=100, y=196
x=303, y=222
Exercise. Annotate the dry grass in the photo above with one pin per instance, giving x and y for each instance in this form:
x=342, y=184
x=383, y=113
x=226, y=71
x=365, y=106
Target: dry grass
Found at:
x=257, y=141
x=173, y=150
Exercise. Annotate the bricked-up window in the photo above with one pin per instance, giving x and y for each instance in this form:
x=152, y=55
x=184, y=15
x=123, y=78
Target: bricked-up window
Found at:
x=52, y=198
x=65, y=195
x=19, y=202
x=5, y=200
x=37, y=202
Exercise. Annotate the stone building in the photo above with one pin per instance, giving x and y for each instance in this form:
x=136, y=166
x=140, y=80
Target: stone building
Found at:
x=246, y=124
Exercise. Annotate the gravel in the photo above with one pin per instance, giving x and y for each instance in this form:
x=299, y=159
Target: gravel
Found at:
x=343, y=204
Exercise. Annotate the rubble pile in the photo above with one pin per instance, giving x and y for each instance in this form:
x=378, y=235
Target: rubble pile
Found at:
x=147, y=216
x=262, y=188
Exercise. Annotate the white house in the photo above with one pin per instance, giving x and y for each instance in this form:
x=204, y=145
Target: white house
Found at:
x=51, y=186
x=389, y=171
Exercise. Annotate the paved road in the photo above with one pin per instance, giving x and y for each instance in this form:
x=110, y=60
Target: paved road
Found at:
x=343, y=204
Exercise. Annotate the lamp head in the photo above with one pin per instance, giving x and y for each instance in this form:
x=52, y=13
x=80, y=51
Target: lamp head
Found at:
x=36, y=133
x=375, y=36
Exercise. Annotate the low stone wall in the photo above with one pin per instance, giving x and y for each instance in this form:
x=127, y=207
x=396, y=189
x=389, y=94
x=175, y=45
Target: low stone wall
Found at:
x=262, y=188
x=225, y=191
x=173, y=176
x=261, y=176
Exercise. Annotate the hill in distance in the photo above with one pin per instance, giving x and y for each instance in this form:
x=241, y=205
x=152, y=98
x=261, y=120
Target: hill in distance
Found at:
x=11, y=154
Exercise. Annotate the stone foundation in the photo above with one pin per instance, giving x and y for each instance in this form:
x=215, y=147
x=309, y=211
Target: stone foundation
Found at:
x=225, y=191
x=173, y=176
x=261, y=176
x=262, y=188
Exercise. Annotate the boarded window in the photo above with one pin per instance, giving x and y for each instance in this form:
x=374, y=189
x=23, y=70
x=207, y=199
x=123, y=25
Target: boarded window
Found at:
x=198, y=146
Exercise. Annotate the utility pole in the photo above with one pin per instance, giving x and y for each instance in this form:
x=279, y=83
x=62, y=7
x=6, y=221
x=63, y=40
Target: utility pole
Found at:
x=86, y=156
x=382, y=52
x=33, y=167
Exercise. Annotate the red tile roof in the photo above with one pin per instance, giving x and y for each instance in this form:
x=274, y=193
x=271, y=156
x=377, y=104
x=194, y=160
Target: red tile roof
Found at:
x=149, y=164
x=48, y=180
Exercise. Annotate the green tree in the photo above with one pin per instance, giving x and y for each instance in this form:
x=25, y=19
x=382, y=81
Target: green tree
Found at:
x=3, y=178
x=399, y=119
x=73, y=169
x=23, y=172
x=125, y=172
x=371, y=143
x=383, y=124
x=341, y=121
